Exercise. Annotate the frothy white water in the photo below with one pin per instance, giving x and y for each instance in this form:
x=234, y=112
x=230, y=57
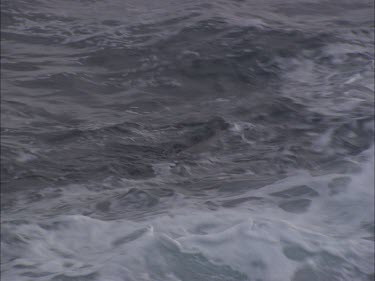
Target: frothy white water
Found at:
x=321, y=230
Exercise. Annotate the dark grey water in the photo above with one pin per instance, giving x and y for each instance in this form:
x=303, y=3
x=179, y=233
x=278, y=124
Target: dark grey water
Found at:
x=187, y=140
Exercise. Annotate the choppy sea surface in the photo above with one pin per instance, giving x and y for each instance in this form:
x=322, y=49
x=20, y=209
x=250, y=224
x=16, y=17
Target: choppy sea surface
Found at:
x=187, y=140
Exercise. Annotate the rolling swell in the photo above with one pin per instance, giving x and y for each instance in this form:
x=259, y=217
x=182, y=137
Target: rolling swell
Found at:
x=210, y=141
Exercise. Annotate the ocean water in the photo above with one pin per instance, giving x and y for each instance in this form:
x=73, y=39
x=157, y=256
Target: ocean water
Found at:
x=187, y=140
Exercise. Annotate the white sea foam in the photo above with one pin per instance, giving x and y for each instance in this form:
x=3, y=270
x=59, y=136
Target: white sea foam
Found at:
x=241, y=243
